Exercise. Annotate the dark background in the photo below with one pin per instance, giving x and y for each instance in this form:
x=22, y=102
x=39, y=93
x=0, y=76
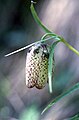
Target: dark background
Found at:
x=18, y=29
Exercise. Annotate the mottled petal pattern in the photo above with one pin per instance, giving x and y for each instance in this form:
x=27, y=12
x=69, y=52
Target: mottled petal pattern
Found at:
x=37, y=66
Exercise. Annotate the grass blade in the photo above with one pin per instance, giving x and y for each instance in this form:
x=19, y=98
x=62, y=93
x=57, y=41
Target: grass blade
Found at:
x=68, y=92
x=51, y=64
x=23, y=48
x=76, y=117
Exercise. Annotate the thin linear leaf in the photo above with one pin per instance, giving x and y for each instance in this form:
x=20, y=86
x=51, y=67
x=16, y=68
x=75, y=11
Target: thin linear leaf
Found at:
x=76, y=117
x=68, y=92
x=51, y=64
x=23, y=48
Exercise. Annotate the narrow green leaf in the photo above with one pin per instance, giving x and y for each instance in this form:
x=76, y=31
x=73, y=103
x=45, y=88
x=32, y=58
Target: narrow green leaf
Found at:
x=68, y=92
x=76, y=117
x=51, y=64
x=23, y=48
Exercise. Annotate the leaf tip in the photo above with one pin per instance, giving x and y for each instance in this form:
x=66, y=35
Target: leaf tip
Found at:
x=42, y=112
x=33, y=2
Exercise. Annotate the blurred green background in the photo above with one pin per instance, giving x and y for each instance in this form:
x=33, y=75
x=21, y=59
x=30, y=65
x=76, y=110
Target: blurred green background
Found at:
x=18, y=29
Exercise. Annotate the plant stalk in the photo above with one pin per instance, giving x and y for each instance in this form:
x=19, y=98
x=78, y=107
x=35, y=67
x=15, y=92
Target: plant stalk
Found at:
x=50, y=33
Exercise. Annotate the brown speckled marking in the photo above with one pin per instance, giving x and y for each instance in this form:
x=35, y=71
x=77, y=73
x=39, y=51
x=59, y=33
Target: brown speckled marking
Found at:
x=37, y=66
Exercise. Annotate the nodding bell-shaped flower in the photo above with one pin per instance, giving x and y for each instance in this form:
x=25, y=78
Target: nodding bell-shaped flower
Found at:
x=37, y=66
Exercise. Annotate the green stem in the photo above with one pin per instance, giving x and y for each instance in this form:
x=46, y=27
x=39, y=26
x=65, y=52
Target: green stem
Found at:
x=36, y=18
x=50, y=33
x=70, y=47
x=47, y=34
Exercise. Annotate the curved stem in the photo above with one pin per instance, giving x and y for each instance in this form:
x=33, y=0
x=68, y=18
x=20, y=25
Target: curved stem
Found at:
x=70, y=47
x=50, y=33
x=36, y=18
x=54, y=36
